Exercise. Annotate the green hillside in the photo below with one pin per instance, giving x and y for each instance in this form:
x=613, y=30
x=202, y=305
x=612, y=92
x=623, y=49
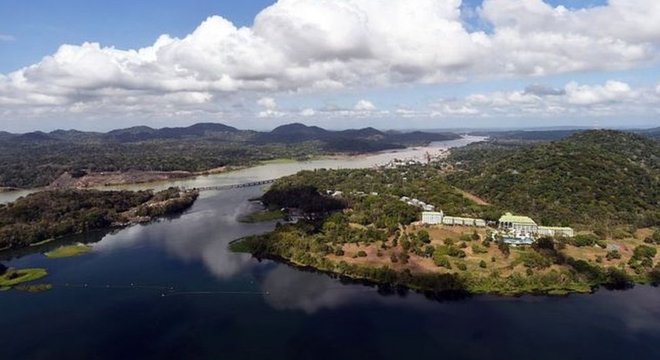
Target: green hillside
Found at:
x=598, y=177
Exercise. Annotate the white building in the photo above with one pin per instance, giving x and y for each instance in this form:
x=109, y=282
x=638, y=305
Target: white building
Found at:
x=432, y=217
x=556, y=231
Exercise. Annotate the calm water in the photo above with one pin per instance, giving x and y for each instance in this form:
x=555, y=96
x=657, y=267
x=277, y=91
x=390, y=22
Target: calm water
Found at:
x=171, y=290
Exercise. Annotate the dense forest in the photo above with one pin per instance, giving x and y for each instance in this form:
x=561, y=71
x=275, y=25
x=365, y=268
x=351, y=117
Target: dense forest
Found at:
x=50, y=214
x=591, y=178
x=36, y=159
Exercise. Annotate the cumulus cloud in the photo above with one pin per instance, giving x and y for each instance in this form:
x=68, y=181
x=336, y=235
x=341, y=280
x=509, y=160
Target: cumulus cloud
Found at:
x=612, y=91
x=307, y=112
x=608, y=99
x=267, y=102
x=364, y=105
x=319, y=45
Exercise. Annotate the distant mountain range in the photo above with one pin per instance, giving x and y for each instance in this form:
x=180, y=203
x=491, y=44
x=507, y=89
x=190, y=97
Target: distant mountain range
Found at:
x=345, y=140
x=38, y=158
x=552, y=134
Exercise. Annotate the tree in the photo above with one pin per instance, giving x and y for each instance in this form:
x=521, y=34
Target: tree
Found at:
x=654, y=276
x=546, y=243
x=3, y=269
x=424, y=236
x=504, y=248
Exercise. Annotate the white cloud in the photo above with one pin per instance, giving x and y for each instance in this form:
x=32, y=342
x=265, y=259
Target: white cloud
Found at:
x=609, y=99
x=535, y=38
x=308, y=112
x=364, y=105
x=317, y=45
x=611, y=91
x=267, y=102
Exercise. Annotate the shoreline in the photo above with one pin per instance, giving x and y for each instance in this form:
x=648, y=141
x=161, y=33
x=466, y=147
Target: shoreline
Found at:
x=449, y=279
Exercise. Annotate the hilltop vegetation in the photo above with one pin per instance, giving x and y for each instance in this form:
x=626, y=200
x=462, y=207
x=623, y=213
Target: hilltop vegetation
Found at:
x=594, y=179
x=353, y=223
x=37, y=159
x=50, y=214
x=591, y=178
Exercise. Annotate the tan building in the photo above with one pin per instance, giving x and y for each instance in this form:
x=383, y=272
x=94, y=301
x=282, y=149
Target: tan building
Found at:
x=518, y=223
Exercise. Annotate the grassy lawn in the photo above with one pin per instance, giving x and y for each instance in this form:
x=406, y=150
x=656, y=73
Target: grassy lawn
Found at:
x=262, y=216
x=15, y=277
x=68, y=251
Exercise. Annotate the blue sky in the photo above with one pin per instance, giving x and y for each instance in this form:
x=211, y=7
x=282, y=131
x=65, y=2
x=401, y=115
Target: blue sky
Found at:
x=41, y=26
x=604, y=78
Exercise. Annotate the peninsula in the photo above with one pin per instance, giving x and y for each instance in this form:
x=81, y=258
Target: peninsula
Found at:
x=598, y=190
x=44, y=216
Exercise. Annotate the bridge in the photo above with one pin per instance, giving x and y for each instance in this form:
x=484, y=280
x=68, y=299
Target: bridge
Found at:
x=236, y=186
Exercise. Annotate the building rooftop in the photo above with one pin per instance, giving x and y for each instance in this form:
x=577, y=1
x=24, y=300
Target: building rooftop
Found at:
x=518, y=219
x=555, y=228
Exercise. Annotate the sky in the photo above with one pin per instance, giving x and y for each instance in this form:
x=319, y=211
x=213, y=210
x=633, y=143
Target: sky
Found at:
x=391, y=64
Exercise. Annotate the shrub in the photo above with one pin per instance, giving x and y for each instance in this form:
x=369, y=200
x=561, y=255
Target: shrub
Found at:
x=465, y=237
x=339, y=252
x=461, y=266
x=478, y=249
x=394, y=258
x=442, y=261
x=529, y=272
x=362, y=253
x=584, y=240
x=429, y=250
x=613, y=254
x=475, y=235
x=645, y=251
x=403, y=257
x=482, y=264
x=534, y=260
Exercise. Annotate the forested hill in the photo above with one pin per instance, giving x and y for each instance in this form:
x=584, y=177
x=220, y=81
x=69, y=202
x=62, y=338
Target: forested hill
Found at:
x=38, y=158
x=594, y=177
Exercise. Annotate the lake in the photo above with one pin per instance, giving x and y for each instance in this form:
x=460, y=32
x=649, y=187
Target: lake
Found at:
x=171, y=290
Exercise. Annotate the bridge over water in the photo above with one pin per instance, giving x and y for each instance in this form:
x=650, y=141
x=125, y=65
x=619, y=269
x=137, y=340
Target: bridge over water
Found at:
x=236, y=186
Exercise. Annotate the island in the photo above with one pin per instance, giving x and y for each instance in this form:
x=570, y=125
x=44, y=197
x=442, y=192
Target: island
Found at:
x=557, y=217
x=14, y=278
x=47, y=215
